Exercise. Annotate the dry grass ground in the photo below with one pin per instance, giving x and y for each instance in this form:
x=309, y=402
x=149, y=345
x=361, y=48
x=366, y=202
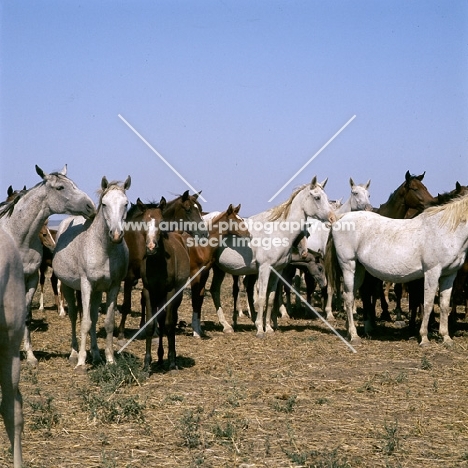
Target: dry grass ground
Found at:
x=299, y=397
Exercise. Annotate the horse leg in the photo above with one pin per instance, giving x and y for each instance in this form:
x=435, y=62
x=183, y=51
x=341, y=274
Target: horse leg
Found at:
x=86, y=323
x=263, y=277
x=61, y=299
x=198, y=295
x=94, y=303
x=353, y=275
x=311, y=284
x=329, y=302
x=218, y=276
x=41, y=286
x=69, y=295
x=54, y=283
x=150, y=330
x=273, y=311
x=125, y=309
x=31, y=286
x=171, y=323
x=109, y=323
x=11, y=407
x=431, y=280
x=383, y=295
x=398, y=290
x=445, y=291
x=367, y=293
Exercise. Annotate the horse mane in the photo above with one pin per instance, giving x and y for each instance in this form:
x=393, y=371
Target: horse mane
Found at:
x=282, y=210
x=454, y=211
x=134, y=208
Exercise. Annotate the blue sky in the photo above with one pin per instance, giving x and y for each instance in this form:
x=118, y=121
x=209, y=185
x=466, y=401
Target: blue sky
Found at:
x=236, y=95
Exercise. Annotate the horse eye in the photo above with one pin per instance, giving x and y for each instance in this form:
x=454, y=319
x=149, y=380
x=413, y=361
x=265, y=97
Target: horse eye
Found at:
x=60, y=187
x=317, y=197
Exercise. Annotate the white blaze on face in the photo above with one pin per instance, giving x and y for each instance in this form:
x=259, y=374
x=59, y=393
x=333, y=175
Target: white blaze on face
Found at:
x=151, y=235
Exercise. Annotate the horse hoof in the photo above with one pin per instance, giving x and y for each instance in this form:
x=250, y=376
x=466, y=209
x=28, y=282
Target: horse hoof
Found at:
x=260, y=335
x=356, y=341
x=400, y=324
x=228, y=330
x=424, y=344
x=121, y=342
x=448, y=342
x=80, y=370
x=33, y=363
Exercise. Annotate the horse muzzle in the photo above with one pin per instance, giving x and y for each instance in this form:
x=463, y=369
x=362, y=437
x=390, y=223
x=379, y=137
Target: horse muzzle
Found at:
x=116, y=236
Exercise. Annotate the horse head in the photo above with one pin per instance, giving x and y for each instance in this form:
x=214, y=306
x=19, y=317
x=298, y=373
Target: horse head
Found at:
x=63, y=196
x=416, y=196
x=113, y=206
x=360, y=198
x=151, y=217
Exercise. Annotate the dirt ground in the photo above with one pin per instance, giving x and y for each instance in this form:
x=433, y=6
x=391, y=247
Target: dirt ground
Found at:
x=299, y=397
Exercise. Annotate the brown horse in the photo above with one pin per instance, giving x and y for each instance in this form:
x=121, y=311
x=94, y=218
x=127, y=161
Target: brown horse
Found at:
x=165, y=270
x=184, y=211
x=203, y=254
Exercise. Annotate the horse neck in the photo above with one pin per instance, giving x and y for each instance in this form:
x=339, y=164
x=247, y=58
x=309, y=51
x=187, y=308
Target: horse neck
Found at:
x=345, y=207
x=28, y=216
x=296, y=217
x=394, y=207
x=100, y=230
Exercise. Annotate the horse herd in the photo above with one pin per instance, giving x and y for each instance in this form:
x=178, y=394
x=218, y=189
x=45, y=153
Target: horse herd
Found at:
x=412, y=236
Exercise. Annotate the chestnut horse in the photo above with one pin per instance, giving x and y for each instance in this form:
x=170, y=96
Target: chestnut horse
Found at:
x=203, y=253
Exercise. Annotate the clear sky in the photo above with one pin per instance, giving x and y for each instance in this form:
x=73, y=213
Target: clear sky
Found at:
x=237, y=95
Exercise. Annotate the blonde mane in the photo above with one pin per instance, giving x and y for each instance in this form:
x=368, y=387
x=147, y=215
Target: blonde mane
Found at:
x=454, y=212
x=282, y=210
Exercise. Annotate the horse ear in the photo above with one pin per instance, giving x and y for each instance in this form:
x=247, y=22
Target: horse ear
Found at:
x=10, y=191
x=127, y=183
x=162, y=203
x=407, y=176
x=457, y=186
x=237, y=208
x=367, y=185
x=230, y=209
x=40, y=172
x=351, y=182
x=324, y=183
x=140, y=204
x=104, y=183
x=24, y=187
x=185, y=195
x=196, y=195
x=313, y=182
x=421, y=177
x=64, y=170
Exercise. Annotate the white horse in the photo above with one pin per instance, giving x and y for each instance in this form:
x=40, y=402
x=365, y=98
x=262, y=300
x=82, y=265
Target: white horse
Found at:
x=12, y=324
x=273, y=233
x=90, y=257
x=358, y=200
x=432, y=246
x=24, y=217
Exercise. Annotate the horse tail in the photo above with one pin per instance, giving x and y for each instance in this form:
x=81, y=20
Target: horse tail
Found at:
x=332, y=267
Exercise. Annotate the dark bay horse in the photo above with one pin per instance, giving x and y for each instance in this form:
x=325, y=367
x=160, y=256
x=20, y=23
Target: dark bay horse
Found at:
x=165, y=270
x=184, y=211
